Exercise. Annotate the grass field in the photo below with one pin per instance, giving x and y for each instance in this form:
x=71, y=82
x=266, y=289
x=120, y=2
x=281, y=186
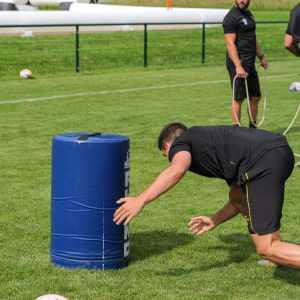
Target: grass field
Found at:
x=166, y=261
x=108, y=52
x=119, y=51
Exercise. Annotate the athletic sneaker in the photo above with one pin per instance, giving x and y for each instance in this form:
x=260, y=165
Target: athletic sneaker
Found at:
x=269, y=263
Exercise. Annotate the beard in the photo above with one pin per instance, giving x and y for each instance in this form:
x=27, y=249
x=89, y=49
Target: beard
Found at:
x=244, y=8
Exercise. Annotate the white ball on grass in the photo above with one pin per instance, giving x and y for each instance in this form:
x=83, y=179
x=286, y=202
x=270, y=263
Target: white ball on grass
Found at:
x=295, y=87
x=52, y=297
x=26, y=73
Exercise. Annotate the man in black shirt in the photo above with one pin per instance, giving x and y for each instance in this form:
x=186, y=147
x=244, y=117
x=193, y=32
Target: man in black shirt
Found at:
x=292, y=36
x=254, y=163
x=242, y=48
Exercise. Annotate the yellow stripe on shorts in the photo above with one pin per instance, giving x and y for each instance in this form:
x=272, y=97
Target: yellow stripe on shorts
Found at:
x=249, y=203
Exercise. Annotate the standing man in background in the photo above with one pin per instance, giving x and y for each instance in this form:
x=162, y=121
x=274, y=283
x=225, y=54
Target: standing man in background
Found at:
x=242, y=48
x=292, y=36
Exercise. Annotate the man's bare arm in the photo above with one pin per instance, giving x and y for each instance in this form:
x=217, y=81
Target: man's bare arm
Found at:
x=202, y=224
x=164, y=182
x=233, y=53
x=259, y=53
x=291, y=46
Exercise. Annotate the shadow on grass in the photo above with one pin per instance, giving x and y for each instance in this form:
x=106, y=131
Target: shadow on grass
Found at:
x=239, y=247
x=288, y=276
x=281, y=130
x=152, y=243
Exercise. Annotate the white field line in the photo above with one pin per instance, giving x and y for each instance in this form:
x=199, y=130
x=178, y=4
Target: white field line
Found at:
x=129, y=90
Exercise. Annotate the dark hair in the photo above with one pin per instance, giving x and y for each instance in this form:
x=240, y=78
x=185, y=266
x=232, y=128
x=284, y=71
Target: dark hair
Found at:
x=169, y=133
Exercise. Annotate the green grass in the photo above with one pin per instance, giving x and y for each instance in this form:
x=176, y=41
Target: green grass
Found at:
x=108, y=52
x=166, y=261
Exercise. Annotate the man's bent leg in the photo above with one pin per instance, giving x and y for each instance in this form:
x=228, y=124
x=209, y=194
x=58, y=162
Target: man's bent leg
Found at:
x=235, y=197
x=263, y=190
x=270, y=247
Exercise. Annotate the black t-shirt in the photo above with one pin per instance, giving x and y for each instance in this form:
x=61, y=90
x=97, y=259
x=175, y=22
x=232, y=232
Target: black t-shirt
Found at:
x=293, y=28
x=225, y=152
x=243, y=25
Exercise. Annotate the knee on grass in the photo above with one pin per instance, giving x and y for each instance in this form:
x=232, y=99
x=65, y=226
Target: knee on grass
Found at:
x=266, y=252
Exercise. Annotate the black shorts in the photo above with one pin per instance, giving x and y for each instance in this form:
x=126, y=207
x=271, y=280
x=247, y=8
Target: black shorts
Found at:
x=263, y=190
x=240, y=87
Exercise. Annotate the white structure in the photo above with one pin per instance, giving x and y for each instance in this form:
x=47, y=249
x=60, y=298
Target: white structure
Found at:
x=96, y=17
x=204, y=14
x=85, y=13
x=80, y=13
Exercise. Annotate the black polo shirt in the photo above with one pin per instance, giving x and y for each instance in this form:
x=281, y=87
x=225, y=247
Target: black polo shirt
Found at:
x=243, y=25
x=293, y=28
x=225, y=152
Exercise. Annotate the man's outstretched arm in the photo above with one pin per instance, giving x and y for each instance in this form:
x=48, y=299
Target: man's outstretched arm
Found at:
x=164, y=182
x=202, y=224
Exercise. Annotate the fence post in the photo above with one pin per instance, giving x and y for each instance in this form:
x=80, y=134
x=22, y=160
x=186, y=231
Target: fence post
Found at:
x=77, y=48
x=145, y=46
x=203, y=43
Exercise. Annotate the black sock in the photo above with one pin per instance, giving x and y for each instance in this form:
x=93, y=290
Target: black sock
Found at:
x=251, y=125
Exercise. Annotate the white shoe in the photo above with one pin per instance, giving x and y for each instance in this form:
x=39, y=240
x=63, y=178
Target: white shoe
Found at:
x=271, y=264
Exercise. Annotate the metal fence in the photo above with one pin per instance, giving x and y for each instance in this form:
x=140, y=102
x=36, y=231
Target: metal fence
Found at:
x=49, y=51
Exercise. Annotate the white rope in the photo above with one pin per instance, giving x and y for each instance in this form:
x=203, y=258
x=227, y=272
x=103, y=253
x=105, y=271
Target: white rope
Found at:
x=248, y=100
x=292, y=121
x=265, y=101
